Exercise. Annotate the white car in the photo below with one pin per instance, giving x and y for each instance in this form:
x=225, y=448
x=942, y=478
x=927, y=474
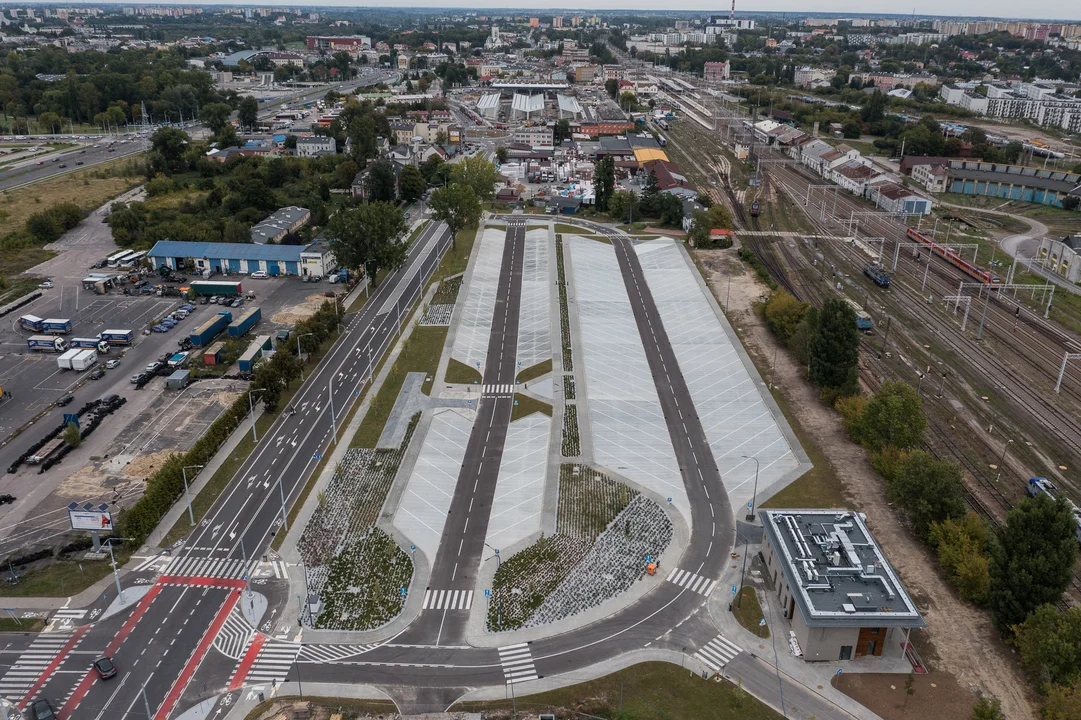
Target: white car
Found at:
x=46, y=285
x=259, y=275
x=112, y=363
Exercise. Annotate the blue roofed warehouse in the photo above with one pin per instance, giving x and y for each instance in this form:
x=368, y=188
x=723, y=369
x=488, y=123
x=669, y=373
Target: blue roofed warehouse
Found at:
x=240, y=258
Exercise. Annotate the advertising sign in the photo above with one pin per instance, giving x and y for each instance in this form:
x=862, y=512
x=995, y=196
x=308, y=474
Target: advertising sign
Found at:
x=90, y=520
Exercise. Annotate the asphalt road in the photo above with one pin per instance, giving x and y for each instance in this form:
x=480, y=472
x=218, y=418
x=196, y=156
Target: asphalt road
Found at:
x=163, y=647
x=89, y=156
x=462, y=546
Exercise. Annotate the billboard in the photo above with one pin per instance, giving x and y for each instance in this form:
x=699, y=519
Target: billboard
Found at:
x=90, y=520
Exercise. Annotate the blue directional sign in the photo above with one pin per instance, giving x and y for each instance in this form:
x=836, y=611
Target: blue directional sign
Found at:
x=356, y=393
x=487, y=592
x=412, y=548
x=749, y=505
x=70, y=418
x=403, y=591
x=733, y=589
x=762, y=622
x=515, y=402
x=497, y=552
x=469, y=401
x=649, y=558
x=669, y=499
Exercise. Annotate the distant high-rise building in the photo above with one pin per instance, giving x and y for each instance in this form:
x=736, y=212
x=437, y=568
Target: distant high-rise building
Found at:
x=557, y=21
x=534, y=22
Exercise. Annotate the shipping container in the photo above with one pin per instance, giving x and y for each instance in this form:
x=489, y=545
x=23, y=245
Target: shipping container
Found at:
x=214, y=354
x=178, y=380
x=64, y=361
x=245, y=322
x=118, y=337
x=56, y=326
x=47, y=343
x=85, y=360
x=31, y=322
x=209, y=330
x=230, y=288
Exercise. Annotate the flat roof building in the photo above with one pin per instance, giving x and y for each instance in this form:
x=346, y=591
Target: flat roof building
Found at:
x=281, y=223
x=835, y=586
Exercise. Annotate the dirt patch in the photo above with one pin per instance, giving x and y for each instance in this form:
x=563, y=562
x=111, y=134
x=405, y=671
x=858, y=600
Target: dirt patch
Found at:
x=143, y=466
x=301, y=311
x=933, y=696
x=959, y=640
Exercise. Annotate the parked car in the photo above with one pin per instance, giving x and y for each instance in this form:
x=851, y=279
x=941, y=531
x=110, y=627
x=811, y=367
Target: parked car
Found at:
x=214, y=299
x=259, y=275
x=78, y=162
x=112, y=363
x=64, y=400
x=97, y=373
x=137, y=378
x=160, y=329
x=153, y=367
x=46, y=285
x=237, y=302
x=104, y=667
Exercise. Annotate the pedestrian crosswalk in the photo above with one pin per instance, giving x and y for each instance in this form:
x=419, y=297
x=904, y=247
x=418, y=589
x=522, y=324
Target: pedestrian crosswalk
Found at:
x=517, y=663
x=448, y=599
x=694, y=583
x=33, y=664
x=501, y=389
x=205, y=567
x=275, y=659
x=718, y=652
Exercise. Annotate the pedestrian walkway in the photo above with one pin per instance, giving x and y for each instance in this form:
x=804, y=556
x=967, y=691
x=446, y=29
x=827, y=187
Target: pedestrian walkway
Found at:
x=234, y=635
x=517, y=663
x=691, y=581
x=204, y=567
x=718, y=652
x=448, y=600
x=36, y=662
x=504, y=389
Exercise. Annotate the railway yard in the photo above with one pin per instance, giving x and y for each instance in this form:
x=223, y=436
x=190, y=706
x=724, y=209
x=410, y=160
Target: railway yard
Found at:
x=986, y=361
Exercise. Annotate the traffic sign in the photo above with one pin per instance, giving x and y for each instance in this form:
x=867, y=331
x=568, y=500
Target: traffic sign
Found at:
x=733, y=589
x=412, y=548
x=403, y=592
x=649, y=558
x=70, y=418
x=487, y=592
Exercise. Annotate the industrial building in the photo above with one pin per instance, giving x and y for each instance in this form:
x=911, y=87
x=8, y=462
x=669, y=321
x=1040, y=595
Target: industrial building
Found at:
x=1061, y=256
x=242, y=258
x=281, y=223
x=1011, y=182
x=842, y=598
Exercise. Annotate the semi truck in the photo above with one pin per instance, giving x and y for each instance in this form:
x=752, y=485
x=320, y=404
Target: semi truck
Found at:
x=31, y=322
x=118, y=337
x=230, y=288
x=209, y=330
x=245, y=322
x=56, y=326
x=46, y=343
x=94, y=343
x=254, y=353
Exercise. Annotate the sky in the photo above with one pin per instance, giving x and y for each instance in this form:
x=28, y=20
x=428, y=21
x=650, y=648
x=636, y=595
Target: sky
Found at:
x=1000, y=9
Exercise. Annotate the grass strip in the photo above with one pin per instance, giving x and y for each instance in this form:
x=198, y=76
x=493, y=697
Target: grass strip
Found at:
x=62, y=578
x=648, y=690
x=21, y=625
x=340, y=707
x=459, y=373
x=535, y=371
x=749, y=612
x=525, y=405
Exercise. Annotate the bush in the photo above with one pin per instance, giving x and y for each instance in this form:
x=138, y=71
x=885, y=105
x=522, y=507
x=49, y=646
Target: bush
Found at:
x=928, y=490
x=892, y=417
x=1063, y=701
x=962, y=547
x=160, y=185
x=1050, y=645
x=987, y=709
x=783, y=314
x=48, y=225
x=851, y=409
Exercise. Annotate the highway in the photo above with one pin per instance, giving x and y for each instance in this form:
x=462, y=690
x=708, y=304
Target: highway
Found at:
x=89, y=156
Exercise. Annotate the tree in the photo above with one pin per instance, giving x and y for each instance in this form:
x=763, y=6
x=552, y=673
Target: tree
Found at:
x=988, y=708
x=456, y=205
x=1032, y=560
x=72, y=436
x=611, y=86
x=928, y=490
x=343, y=175
x=248, y=111
x=561, y=131
x=1071, y=202
x=605, y=180
x=479, y=174
x=623, y=206
x=783, y=314
x=501, y=154
x=1063, y=702
x=367, y=236
x=412, y=182
x=962, y=547
x=216, y=115
x=835, y=349
x=892, y=417
x=668, y=208
x=1050, y=645
x=382, y=185
x=227, y=137
x=169, y=146
x=50, y=121
x=875, y=109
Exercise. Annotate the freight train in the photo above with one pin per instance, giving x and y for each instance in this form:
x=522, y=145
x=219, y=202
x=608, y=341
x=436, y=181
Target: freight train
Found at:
x=954, y=258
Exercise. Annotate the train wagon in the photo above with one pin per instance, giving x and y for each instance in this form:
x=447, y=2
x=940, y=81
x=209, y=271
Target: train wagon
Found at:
x=878, y=274
x=863, y=318
x=954, y=258
x=755, y=209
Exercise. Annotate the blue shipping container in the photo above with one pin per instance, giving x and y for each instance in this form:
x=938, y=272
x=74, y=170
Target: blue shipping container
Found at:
x=245, y=322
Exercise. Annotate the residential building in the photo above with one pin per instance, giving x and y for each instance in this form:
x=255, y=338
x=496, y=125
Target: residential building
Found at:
x=351, y=43
x=281, y=223
x=716, y=71
x=534, y=136
x=1061, y=256
x=670, y=179
x=806, y=76
x=316, y=145
x=842, y=598
x=931, y=177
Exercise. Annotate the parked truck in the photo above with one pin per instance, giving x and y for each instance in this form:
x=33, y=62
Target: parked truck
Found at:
x=95, y=343
x=118, y=337
x=31, y=322
x=64, y=361
x=209, y=330
x=245, y=322
x=56, y=326
x=255, y=352
x=85, y=360
x=229, y=288
x=47, y=343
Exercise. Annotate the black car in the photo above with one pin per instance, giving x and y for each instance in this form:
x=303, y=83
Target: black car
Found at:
x=42, y=710
x=64, y=400
x=97, y=373
x=63, y=165
x=105, y=668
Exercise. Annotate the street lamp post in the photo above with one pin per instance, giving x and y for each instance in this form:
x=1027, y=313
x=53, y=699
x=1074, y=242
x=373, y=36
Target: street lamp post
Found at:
x=754, y=494
x=301, y=355
x=1005, y=447
x=499, y=604
x=187, y=495
x=251, y=409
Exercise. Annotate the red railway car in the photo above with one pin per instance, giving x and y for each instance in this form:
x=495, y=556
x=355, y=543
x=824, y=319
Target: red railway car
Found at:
x=953, y=258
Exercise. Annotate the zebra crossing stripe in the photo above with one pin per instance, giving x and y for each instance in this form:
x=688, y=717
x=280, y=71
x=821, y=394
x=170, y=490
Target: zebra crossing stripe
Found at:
x=517, y=663
x=502, y=389
x=718, y=652
x=30, y=664
x=207, y=568
x=447, y=600
x=691, y=581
